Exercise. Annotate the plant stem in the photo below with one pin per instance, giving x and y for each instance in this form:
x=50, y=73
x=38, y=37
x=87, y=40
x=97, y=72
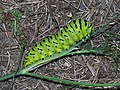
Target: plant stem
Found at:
x=9, y=76
x=60, y=80
x=82, y=51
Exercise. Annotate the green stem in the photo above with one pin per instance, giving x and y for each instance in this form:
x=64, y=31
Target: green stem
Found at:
x=10, y=76
x=60, y=80
x=101, y=50
x=82, y=51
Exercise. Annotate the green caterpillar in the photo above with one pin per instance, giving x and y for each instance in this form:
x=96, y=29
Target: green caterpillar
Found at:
x=69, y=35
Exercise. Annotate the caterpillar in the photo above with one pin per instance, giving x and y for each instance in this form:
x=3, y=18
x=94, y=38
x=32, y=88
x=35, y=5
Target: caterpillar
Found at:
x=70, y=34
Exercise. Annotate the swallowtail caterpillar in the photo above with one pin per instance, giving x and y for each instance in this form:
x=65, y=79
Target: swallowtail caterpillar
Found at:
x=70, y=34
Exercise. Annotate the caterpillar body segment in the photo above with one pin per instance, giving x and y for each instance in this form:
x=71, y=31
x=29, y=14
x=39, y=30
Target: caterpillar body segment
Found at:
x=69, y=35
